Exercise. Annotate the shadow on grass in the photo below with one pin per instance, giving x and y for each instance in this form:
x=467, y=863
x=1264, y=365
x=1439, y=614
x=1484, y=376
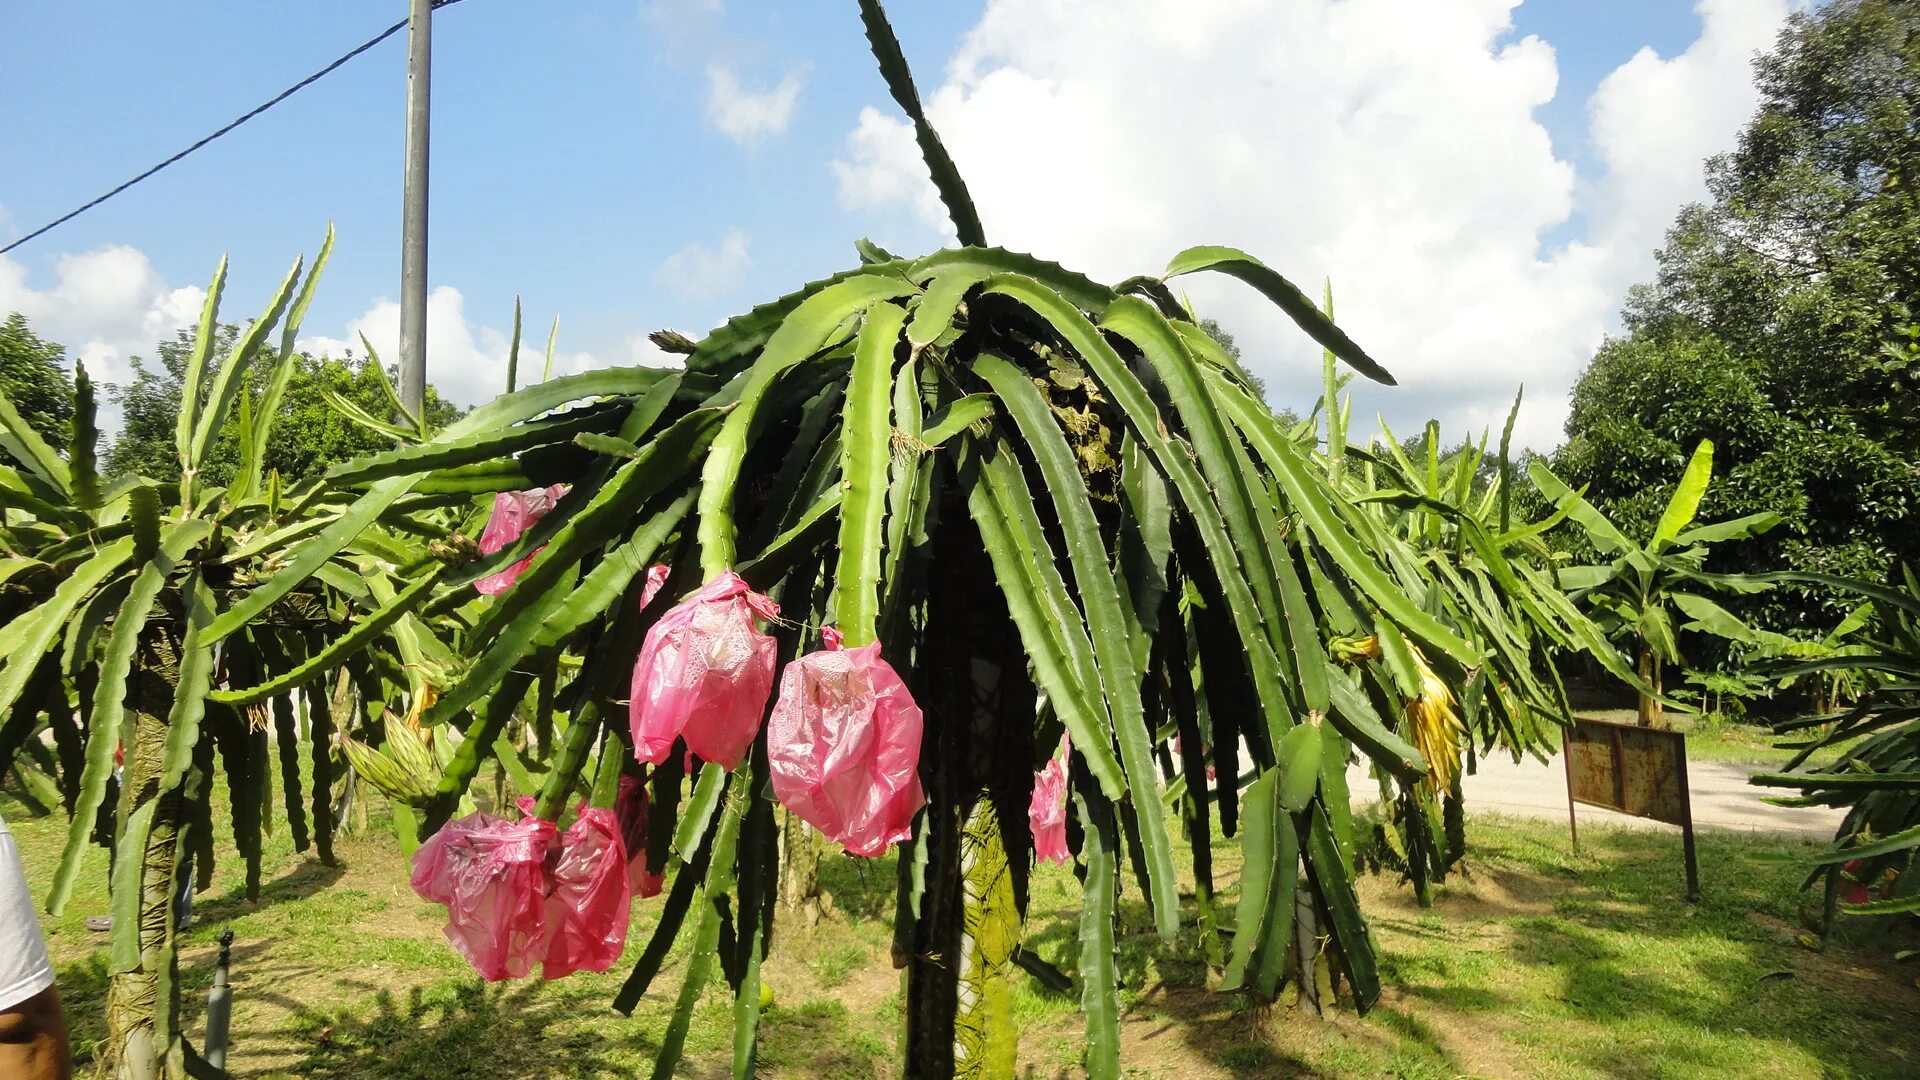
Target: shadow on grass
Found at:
x=460, y=1028
x=1589, y=959
x=1165, y=998
x=1632, y=981
x=305, y=879
x=83, y=997
x=471, y=1029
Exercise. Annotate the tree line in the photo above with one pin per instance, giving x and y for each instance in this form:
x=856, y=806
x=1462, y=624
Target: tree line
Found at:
x=36, y=375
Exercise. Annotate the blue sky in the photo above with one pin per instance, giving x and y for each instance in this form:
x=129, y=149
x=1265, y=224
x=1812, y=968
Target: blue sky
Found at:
x=583, y=157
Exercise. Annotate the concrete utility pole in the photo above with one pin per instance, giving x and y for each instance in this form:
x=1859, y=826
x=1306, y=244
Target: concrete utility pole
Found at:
x=413, y=227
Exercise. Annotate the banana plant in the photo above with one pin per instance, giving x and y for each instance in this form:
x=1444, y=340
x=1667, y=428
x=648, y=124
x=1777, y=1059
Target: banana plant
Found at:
x=1653, y=589
x=123, y=641
x=1876, y=779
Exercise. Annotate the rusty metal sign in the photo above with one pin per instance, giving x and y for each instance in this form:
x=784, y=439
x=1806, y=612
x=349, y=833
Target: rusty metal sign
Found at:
x=1635, y=770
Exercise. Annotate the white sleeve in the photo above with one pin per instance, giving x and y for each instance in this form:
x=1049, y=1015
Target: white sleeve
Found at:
x=24, y=968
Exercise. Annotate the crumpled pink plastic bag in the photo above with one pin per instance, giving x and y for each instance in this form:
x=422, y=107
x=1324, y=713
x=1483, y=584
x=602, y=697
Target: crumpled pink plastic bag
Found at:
x=514, y=512
x=656, y=577
x=588, y=898
x=844, y=746
x=704, y=673
x=492, y=875
x=1047, y=813
x=523, y=892
x=630, y=807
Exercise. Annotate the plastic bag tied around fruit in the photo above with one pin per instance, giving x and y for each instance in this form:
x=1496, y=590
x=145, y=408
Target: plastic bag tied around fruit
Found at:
x=1179, y=749
x=588, y=896
x=523, y=892
x=514, y=512
x=656, y=577
x=492, y=876
x=843, y=745
x=1047, y=813
x=630, y=808
x=704, y=673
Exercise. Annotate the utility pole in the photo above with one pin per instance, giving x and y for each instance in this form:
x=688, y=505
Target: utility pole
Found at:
x=413, y=227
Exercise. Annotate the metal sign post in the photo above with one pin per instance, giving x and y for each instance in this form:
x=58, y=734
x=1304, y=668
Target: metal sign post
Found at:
x=1636, y=770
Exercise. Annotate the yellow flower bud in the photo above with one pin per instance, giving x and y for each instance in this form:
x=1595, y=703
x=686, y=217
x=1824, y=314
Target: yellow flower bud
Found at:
x=1435, y=727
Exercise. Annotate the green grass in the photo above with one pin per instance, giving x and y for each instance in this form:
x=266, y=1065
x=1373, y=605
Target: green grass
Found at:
x=834, y=965
x=1587, y=964
x=1539, y=961
x=1545, y=962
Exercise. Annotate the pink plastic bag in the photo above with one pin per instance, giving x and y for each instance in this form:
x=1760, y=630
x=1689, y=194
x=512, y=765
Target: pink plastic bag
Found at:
x=630, y=807
x=514, y=512
x=656, y=577
x=844, y=746
x=1047, y=813
x=588, y=898
x=522, y=892
x=492, y=876
x=704, y=673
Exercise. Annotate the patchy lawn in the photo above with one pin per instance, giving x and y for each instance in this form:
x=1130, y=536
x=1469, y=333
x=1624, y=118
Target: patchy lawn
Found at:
x=1537, y=962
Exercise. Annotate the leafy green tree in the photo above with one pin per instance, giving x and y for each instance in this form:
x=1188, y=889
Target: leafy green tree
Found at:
x=1288, y=417
x=314, y=431
x=318, y=434
x=33, y=376
x=1231, y=347
x=1780, y=325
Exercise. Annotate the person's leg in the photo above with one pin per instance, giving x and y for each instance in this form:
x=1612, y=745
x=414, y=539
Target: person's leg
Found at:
x=33, y=1039
x=33, y=1030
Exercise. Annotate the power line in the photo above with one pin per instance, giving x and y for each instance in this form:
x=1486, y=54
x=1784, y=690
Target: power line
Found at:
x=250, y=114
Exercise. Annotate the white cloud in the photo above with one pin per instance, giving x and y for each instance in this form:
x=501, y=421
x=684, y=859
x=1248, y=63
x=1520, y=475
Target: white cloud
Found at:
x=466, y=363
x=886, y=169
x=104, y=305
x=322, y=345
x=1389, y=144
x=697, y=272
x=109, y=304
x=749, y=116
x=1654, y=118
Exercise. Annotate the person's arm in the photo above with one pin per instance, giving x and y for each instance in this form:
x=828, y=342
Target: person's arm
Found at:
x=33, y=1039
x=33, y=1030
